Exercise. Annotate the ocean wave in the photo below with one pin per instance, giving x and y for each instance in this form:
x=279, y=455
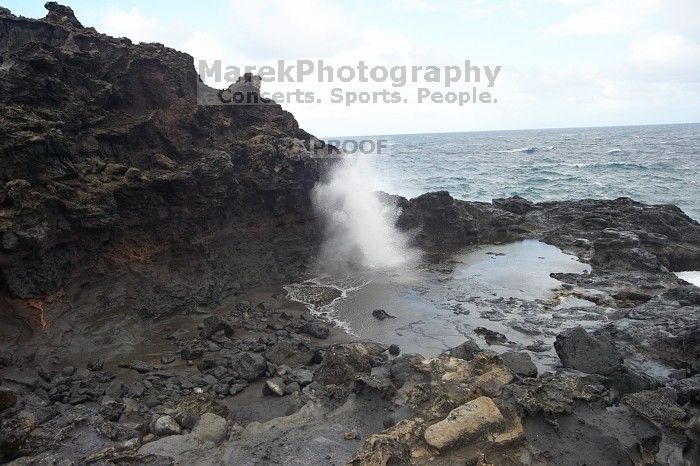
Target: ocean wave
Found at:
x=525, y=150
x=615, y=152
x=623, y=165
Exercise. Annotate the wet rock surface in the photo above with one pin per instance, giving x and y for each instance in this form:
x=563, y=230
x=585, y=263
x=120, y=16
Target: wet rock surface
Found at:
x=144, y=241
x=581, y=351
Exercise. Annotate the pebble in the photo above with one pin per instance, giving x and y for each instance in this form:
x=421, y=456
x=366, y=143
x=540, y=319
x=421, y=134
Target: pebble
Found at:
x=274, y=386
x=165, y=425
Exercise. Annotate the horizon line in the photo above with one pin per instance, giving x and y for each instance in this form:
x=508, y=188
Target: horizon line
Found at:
x=505, y=130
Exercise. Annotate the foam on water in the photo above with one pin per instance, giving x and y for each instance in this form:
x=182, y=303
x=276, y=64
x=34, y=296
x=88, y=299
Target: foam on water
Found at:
x=320, y=294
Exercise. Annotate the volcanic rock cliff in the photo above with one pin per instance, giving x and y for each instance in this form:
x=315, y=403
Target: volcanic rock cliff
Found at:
x=107, y=160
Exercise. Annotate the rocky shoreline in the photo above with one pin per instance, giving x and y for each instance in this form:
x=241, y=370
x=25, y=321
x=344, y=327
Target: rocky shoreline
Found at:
x=145, y=242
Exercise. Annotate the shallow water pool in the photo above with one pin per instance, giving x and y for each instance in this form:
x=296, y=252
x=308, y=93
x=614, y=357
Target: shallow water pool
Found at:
x=436, y=306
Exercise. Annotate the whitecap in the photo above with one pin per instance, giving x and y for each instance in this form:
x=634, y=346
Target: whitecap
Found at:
x=615, y=152
x=526, y=150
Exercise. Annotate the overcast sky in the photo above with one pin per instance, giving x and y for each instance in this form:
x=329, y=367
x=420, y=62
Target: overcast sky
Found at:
x=564, y=62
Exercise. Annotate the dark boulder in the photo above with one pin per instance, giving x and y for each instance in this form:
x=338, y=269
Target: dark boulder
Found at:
x=215, y=324
x=577, y=349
x=290, y=353
x=520, y=363
x=467, y=350
x=193, y=349
x=112, y=410
x=190, y=408
x=249, y=366
x=343, y=363
x=316, y=330
x=491, y=336
x=381, y=314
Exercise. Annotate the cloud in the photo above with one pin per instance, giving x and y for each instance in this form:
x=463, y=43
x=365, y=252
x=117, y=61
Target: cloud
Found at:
x=471, y=9
x=415, y=5
x=666, y=57
x=140, y=27
x=132, y=24
x=652, y=69
x=277, y=29
x=202, y=46
x=603, y=17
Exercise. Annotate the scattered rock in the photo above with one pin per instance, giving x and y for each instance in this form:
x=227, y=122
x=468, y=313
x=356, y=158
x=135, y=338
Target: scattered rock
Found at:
x=274, y=386
x=391, y=447
x=164, y=426
x=112, y=410
x=394, y=350
x=236, y=388
x=210, y=428
x=594, y=434
x=579, y=350
x=215, y=324
x=7, y=359
x=139, y=366
x=678, y=374
x=467, y=350
x=467, y=423
x=193, y=349
x=249, y=366
x=388, y=422
x=657, y=406
x=96, y=364
x=167, y=358
x=491, y=336
x=343, y=363
x=190, y=408
x=520, y=363
x=316, y=330
x=292, y=388
x=381, y=314
x=403, y=368
x=115, y=389
x=302, y=376
x=552, y=394
x=290, y=353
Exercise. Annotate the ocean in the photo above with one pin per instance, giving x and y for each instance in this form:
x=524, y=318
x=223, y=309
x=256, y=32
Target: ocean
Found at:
x=653, y=164
x=490, y=288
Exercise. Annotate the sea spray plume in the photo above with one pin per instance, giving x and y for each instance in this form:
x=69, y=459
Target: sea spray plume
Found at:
x=360, y=228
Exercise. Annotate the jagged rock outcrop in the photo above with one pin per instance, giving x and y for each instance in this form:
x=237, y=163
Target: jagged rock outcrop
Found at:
x=618, y=234
x=105, y=157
